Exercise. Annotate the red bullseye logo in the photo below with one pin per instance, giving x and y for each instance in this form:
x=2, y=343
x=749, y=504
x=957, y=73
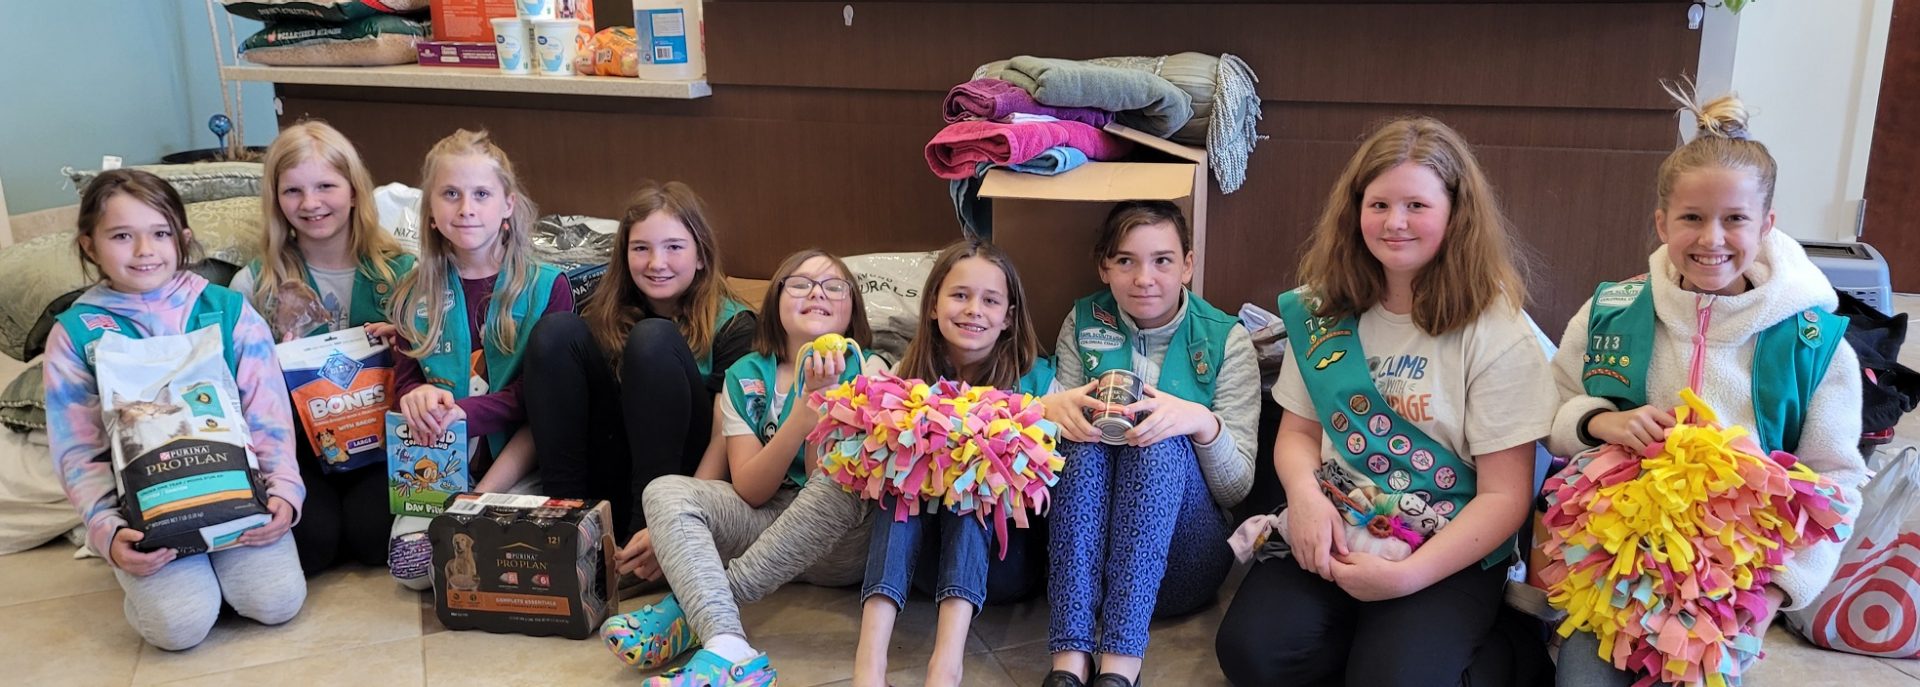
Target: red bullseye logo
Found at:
x=1873, y=613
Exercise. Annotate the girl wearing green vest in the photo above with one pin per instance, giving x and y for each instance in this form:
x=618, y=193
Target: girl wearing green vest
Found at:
x=974, y=327
x=697, y=524
x=323, y=235
x=466, y=310
x=622, y=394
x=1140, y=530
x=1412, y=396
x=1733, y=309
x=133, y=235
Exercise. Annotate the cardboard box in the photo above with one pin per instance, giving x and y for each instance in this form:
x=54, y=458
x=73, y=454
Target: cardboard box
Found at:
x=528, y=565
x=450, y=54
x=467, y=21
x=1049, y=224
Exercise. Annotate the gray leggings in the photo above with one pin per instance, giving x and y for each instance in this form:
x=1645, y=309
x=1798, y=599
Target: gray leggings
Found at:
x=718, y=552
x=175, y=607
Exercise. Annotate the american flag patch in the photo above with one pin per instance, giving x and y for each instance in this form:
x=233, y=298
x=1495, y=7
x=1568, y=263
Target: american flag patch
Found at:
x=1103, y=317
x=100, y=322
x=753, y=387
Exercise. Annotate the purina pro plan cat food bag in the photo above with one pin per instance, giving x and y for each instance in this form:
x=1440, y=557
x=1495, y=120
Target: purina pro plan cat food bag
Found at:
x=179, y=441
x=340, y=383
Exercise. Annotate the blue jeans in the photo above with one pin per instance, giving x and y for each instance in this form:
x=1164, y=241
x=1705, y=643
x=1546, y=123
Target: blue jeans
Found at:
x=1581, y=666
x=895, y=548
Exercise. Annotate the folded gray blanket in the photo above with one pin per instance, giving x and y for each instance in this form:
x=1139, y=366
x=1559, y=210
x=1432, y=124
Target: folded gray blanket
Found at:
x=1139, y=99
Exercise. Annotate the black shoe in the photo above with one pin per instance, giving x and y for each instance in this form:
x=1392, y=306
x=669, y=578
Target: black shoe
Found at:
x=1061, y=678
x=1110, y=680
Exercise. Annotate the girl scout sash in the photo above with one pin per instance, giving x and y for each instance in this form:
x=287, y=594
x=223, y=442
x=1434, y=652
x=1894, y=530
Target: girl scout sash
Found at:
x=1368, y=436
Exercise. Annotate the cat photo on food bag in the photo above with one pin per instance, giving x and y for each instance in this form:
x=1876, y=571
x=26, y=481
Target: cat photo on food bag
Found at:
x=140, y=425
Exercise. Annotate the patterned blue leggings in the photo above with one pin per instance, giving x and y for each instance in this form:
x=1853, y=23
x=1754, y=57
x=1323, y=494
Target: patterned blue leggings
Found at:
x=1135, y=534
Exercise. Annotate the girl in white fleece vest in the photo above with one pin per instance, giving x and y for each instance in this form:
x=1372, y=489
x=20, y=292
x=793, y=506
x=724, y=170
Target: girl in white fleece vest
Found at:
x=1722, y=286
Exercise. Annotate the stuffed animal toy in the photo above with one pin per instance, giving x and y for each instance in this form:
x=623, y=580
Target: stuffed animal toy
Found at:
x=1385, y=525
x=296, y=310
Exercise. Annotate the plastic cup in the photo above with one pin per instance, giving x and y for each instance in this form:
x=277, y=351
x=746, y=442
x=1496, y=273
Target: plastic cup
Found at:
x=511, y=41
x=555, y=42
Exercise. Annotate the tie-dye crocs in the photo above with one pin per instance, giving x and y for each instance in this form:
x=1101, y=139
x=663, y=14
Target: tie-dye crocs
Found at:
x=708, y=669
x=650, y=637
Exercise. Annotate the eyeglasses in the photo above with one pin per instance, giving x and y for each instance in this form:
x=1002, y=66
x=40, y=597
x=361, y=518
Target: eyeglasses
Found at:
x=836, y=288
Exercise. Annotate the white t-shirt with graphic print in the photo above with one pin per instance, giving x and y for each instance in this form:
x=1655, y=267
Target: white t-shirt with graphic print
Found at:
x=1479, y=389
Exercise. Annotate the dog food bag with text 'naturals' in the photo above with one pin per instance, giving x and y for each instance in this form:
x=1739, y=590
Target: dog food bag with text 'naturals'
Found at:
x=179, y=441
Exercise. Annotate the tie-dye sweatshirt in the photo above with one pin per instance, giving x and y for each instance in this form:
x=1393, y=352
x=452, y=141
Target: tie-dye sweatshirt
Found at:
x=76, y=431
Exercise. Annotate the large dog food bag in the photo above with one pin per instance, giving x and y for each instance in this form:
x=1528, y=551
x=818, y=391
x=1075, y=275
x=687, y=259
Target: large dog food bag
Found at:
x=179, y=441
x=529, y=565
x=341, y=383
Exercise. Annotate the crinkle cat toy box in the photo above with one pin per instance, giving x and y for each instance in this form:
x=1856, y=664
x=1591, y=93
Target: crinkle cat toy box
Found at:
x=530, y=565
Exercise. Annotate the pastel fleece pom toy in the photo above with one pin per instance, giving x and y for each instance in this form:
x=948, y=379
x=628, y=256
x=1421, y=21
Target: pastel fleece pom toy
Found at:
x=972, y=449
x=1657, y=554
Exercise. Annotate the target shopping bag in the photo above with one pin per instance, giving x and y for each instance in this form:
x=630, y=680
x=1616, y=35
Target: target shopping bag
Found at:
x=1870, y=607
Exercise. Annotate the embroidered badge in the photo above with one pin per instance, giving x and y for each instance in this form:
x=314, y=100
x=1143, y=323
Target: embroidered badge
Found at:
x=1379, y=424
x=1330, y=359
x=753, y=387
x=1399, y=444
x=1444, y=477
x=1359, y=404
x=1399, y=480
x=1356, y=443
x=1377, y=463
x=1101, y=339
x=1422, y=460
x=1103, y=317
x=98, y=322
x=1443, y=508
x=1620, y=295
x=1339, y=422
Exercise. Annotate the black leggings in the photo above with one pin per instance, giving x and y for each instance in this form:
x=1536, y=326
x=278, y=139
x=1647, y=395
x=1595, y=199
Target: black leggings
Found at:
x=602, y=436
x=345, y=512
x=1288, y=626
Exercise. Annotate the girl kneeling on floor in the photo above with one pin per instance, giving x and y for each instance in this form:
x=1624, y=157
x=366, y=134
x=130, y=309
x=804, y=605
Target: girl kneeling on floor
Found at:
x=323, y=234
x=466, y=310
x=134, y=235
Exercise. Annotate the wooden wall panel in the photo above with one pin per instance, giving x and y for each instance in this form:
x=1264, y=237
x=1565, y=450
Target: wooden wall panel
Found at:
x=814, y=133
x=1893, y=166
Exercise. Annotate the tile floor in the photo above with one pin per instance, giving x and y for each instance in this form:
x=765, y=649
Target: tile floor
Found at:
x=60, y=623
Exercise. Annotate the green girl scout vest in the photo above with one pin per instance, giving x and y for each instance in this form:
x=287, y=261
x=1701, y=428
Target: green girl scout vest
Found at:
x=1193, y=357
x=450, y=364
x=1789, y=358
x=370, y=295
x=750, y=387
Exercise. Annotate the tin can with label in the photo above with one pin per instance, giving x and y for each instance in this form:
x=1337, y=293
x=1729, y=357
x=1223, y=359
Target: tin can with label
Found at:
x=1116, y=389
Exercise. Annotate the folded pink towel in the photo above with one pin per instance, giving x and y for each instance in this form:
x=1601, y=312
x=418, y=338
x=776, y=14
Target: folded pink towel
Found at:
x=958, y=149
x=995, y=99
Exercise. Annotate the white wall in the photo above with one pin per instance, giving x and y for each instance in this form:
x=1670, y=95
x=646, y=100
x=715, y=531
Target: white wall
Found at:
x=1809, y=71
x=86, y=78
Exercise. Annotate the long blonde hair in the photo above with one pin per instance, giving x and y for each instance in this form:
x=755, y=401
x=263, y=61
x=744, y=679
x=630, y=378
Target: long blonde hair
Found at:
x=1013, y=354
x=1722, y=141
x=1475, y=265
x=616, y=302
x=371, y=246
x=423, y=294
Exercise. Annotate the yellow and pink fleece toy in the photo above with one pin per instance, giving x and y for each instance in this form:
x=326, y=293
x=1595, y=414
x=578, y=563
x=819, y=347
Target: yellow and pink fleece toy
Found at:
x=1657, y=554
x=971, y=449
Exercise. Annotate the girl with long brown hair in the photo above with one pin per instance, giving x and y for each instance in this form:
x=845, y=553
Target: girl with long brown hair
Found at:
x=622, y=394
